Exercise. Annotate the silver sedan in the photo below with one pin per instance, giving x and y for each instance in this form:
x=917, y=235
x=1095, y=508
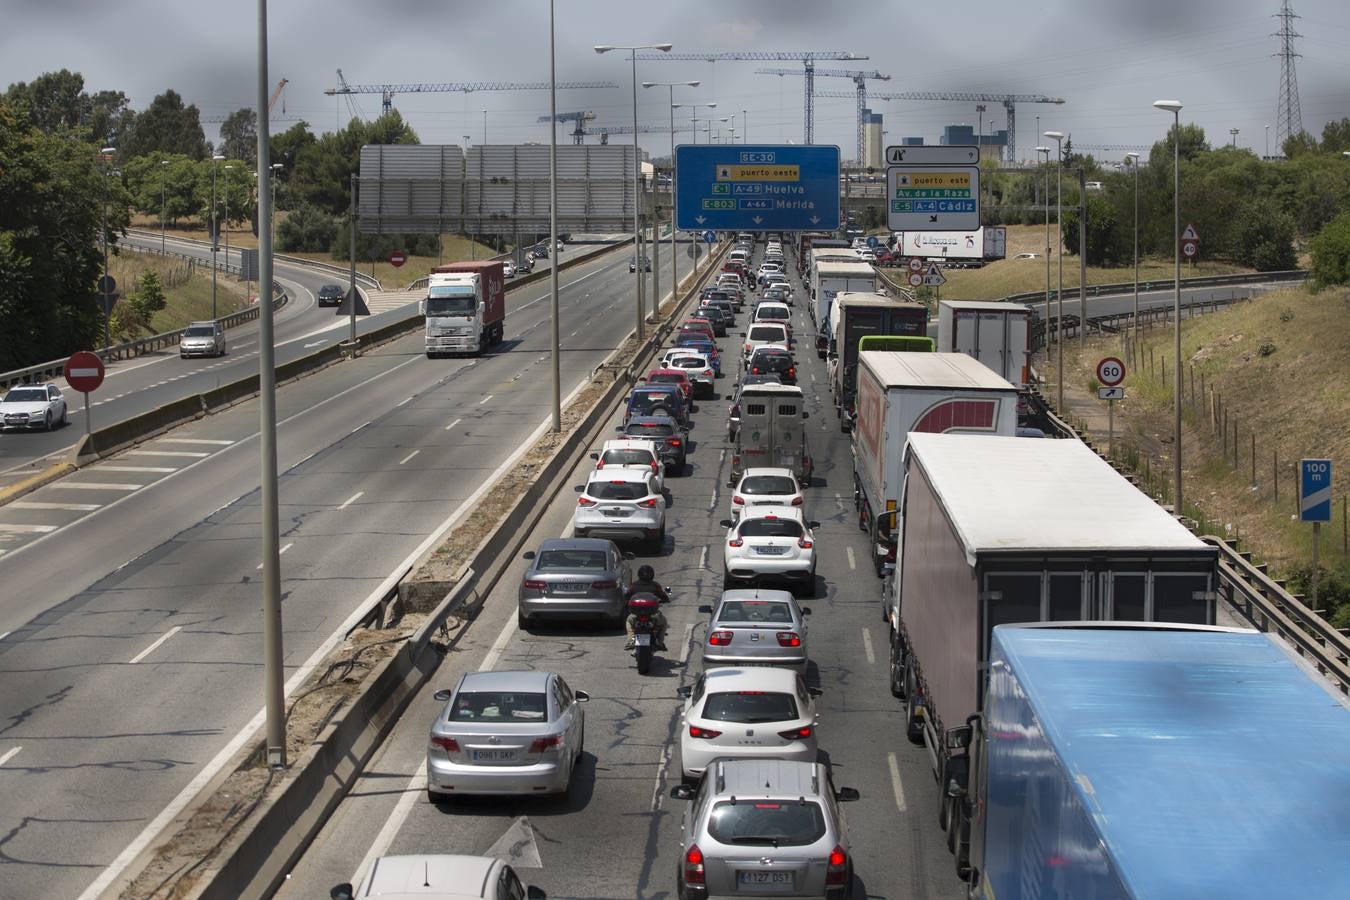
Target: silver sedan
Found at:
x=756, y=627
x=574, y=578
x=506, y=733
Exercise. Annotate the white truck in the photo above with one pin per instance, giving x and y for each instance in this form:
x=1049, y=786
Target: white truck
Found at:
x=899, y=393
x=830, y=278
x=959, y=247
x=997, y=334
x=465, y=307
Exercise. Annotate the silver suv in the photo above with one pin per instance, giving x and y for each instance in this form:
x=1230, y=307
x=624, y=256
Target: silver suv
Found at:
x=764, y=826
x=202, y=339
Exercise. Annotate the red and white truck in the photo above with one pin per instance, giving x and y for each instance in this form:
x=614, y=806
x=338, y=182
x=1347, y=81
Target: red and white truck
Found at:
x=997, y=334
x=465, y=307
x=898, y=393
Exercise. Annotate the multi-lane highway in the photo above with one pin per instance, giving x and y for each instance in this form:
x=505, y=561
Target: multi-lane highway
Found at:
x=616, y=834
x=129, y=637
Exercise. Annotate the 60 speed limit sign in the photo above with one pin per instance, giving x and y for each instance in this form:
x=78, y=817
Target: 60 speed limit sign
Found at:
x=1110, y=371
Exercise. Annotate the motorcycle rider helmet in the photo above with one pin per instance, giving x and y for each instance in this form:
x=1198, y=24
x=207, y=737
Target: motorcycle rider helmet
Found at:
x=646, y=573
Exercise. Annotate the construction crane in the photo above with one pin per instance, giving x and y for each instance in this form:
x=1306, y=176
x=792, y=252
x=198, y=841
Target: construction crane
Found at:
x=606, y=130
x=271, y=104
x=807, y=58
x=580, y=117
x=387, y=91
x=1009, y=102
x=859, y=79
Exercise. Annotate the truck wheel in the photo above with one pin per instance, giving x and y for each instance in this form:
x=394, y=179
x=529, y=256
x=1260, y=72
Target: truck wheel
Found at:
x=913, y=727
x=897, y=678
x=949, y=820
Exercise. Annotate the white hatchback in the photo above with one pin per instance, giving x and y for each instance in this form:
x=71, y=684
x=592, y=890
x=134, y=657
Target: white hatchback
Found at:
x=765, y=486
x=699, y=367
x=632, y=453
x=621, y=504
x=759, y=712
x=770, y=544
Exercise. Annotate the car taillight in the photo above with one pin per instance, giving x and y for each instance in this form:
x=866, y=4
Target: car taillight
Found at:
x=654, y=466
x=720, y=638
x=735, y=542
x=792, y=373
x=448, y=744
x=649, y=503
x=837, y=870
x=693, y=866
x=708, y=372
x=737, y=500
x=605, y=585
x=696, y=732
x=789, y=639
x=534, y=584
x=600, y=464
x=585, y=501
x=674, y=442
x=803, y=543
x=548, y=742
x=796, y=734
x=797, y=501
x=747, y=348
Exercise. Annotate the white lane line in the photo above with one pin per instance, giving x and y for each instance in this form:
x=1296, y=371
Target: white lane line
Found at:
x=153, y=469
x=895, y=782
x=499, y=645
x=95, y=486
x=485, y=399
x=350, y=500
x=192, y=454
x=408, y=457
x=703, y=557
x=313, y=344
x=684, y=649
x=206, y=441
x=12, y=751
x=151, y=649
x=660, y=776
x=401, y=402
x=279, y=552
x=712, y=499
x=26, y=529
x=69, y=507
x=852, y=563
x=867, y=647
x=453, y=424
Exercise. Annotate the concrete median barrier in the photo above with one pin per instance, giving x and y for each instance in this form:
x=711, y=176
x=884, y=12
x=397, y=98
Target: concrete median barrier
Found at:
x=107, y=441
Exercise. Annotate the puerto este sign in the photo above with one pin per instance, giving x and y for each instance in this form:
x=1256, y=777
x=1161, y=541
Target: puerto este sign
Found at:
x=756, y=187
x=933, y=198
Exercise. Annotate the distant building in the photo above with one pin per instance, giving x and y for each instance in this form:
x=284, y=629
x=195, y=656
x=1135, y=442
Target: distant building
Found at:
x=911, y=142
x=992, y=144
x=873, y=148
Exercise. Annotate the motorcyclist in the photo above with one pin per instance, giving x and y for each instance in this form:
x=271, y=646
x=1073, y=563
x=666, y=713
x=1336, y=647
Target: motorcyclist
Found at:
x=646, y=584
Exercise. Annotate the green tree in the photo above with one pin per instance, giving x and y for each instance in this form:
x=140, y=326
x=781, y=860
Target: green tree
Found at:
x=1299, y=144
x=1336, y=136
x=1265, y=237
x=166, y=126
x=52, y=101
x=306, y=229
x=1330, y=251
x=149, y=294
x=239, y=135
x=1108, y=243
x=128, y=320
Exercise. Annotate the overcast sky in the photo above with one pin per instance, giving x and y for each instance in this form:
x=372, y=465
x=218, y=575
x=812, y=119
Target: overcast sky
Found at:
x=1110, y=59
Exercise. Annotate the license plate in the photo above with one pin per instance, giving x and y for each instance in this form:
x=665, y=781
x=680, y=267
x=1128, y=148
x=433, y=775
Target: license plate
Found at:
x=642, y=640
x=577, y=588
x=493, y=755
x=752, y=879
x=618, y=513
x=770, y=551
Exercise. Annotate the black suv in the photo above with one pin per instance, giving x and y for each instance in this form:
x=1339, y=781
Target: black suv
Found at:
x=331, y=295
x=771, y=361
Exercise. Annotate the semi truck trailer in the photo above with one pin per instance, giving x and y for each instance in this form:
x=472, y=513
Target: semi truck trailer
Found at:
x=465, y=307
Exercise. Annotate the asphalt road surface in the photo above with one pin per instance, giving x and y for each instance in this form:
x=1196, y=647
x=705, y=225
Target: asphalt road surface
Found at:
x=129, y=639
x=616, y=834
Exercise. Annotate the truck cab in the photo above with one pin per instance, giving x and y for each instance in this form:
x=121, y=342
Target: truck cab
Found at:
x=772, y=431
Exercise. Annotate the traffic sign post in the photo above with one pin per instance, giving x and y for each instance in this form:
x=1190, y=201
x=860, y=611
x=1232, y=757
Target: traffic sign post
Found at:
x=916, y=279
x=1314, y=505
x=934, y=277
x=757, y=187
x=915, y=264
x=1190, y=243
x=1110, y=372
x=84, y=373
x=397, y=258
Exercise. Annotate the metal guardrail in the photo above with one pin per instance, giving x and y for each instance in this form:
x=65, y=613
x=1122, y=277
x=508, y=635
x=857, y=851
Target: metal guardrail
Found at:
x=344, y=271
x=1031, y=298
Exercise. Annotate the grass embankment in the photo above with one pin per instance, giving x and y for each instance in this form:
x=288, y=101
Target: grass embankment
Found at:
x=1273, y=368
x=187, y=291
x=1009, y=276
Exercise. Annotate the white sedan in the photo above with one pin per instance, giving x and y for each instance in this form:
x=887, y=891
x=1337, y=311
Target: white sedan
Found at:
x=33, y=406
x=765, y=486
x=770, y=544
x=752, y=713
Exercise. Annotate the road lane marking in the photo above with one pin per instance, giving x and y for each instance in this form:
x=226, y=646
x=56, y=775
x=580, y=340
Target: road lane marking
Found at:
x=194, y=454
x=408, y=457
x=5, y=634
x=703, y=557
x=151, y=649
x=401, y=402
x=68, y=507
x=12, y=751
x=207, y=441
x=279, y=552
x=485, y=399
x=313, y=344
x=688, y=636
x=350, y=500
x=661, y=775
x=867, y=647
x=26, y=529
x=852, y=563
x=499, y=645
x=895, y=783
x=453, y=424
x=411, y=793
x=95, y=486
x=153, y=469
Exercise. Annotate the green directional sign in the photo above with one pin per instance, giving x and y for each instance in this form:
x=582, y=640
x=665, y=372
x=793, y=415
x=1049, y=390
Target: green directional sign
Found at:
x=711, y=203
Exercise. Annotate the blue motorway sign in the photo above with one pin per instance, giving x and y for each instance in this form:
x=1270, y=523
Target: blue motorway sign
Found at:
x=709, y=237
x=1314, y=490
x=756, y=187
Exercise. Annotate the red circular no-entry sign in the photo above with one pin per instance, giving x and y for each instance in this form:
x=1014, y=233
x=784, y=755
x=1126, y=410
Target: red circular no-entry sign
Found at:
x=397, y=258
x=84, y=371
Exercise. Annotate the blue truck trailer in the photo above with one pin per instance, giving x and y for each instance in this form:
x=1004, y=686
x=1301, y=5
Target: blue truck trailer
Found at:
x=1152, y=761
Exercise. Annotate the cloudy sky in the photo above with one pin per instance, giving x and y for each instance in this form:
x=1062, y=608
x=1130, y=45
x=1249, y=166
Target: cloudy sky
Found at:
x=1109, y=59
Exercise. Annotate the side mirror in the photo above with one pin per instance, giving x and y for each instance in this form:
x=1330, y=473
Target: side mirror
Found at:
x=581, y=696
x=806, y=610
x=528, y=554
x=629, y=554
x=958, y=738
x=342, y=891
x=847, y=795
x=595, y=456
x=814, y=692
x=579, y=488
x=806, y=415
x=619, y=429
x=442, y=696
x=421, y=311
x=729, y=397
x=535, y=893
x=705, y=608
x=683, y=691
x=678, y=792
x=812, y=524
x=726, y=523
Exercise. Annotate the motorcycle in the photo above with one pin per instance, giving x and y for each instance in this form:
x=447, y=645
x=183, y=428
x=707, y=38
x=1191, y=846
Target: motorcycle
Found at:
x=643, y=608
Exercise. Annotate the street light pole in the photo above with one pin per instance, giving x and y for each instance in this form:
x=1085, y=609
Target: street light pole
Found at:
x=553, y=328
x=228, y=170
x=670, y=86
x=163, y=184
x=1267, y=142
x=1058, y=138
x=215, y=228
x=637, y=174
x=1133, y=160
x=1174, y=107
x=1234, y=133
x=1046, y=319
x=485, y=126
x=107, y=154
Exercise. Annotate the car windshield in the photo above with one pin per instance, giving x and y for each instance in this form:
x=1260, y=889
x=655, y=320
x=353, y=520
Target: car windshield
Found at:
x=330, y=289
x=767, y=484
x=767, y=333
x=766, y=527
x=644, y=402
x=617, y=490
x=198, y=331
x=668, y=378
x=774, y=823
x=750, y=707
x=627, y=458
x=688, y=362
x=651, y=429
x=754, y=611
x=478, y=706
x=771, y=312
x=774, y=362
x=571, y=559
x=25, y=395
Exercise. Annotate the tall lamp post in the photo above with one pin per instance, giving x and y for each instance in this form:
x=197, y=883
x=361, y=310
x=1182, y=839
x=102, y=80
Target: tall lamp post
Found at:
x=485, y=126
x=107, y=154
x=637, y=169
x=215, y=232
x=163, y=185
x=554, y=340
x=1046, y=319
x=228, y=169
x=1234, y=133
x=1132, y=159
x=272, y=219
x=693, y=118
x=670, y=87
x=1058, y=138
x=1174, y=107
x=1267, y=142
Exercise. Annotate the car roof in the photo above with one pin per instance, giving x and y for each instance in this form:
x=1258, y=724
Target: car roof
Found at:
x=210, y=322
x=666, y=370
x=518, y=680
x=657, y=386
x=742, y=594
x=655, y=420
x=750, y=678
x=766, y=777
x=628, y=444
x=574, y=544
x=617, y=474
x=429, y=875
x=767, y=470
x=778, y=512
x=771, y=348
